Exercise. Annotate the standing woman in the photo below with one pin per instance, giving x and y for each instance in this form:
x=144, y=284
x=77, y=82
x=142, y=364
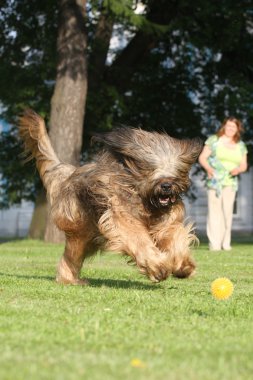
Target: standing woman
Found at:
x=223, y=157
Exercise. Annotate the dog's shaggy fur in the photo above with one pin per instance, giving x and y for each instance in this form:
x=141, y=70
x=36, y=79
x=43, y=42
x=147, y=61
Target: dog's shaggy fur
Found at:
x=127, y=200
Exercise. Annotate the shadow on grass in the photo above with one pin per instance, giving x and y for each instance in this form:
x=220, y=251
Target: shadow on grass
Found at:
x=124, y=284
x=93, y=282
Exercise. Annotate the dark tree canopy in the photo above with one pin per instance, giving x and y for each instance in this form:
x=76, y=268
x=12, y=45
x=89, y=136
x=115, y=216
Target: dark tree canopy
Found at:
x=176, y=66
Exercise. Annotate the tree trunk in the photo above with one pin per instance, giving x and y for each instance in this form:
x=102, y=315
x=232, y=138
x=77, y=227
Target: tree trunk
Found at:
x=99, y=49
x=38, y=223
x=69, y=98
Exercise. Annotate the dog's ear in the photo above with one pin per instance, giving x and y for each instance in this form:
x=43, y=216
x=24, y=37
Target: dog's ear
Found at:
x=191, y=149
x=119, y=140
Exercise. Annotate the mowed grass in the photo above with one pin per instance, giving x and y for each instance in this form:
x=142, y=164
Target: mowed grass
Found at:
x=122, y=326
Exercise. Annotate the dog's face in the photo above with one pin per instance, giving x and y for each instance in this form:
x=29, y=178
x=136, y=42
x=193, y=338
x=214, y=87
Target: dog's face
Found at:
x=158, y=163
x=165, y=193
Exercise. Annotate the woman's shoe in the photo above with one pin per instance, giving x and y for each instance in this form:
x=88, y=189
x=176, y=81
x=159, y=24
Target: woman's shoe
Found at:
x=227, y=248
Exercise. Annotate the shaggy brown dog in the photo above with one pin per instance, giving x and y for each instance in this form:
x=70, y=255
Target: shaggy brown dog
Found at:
x=127, y=200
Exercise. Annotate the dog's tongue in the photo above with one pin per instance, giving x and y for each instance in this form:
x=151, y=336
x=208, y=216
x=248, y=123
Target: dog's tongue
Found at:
x=165, y=201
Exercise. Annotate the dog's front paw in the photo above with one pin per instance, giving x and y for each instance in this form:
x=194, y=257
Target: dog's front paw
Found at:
x=157, y=268
x=186, y=269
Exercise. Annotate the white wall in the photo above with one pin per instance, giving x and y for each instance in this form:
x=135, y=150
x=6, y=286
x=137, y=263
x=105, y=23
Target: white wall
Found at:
x=15, y=221
x=242, y=220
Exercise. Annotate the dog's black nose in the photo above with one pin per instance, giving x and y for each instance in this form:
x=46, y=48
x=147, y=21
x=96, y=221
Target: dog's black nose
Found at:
x=166, y=187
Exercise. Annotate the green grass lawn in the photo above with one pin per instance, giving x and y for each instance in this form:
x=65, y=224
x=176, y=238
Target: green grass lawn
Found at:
x=175, y=329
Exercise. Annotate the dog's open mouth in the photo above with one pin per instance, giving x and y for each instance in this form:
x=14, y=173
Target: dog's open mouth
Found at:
x=166, y=200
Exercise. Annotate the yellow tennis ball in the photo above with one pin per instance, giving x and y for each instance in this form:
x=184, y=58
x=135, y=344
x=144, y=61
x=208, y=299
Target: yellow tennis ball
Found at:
x=222, y=288
x=137, y=363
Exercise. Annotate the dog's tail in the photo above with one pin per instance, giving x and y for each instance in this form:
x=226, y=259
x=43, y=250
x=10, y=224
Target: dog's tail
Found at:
x=37, y=145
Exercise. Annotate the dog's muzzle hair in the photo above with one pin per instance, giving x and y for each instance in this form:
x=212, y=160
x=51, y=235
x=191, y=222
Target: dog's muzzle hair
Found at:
x=127, y=200
x=166, y=193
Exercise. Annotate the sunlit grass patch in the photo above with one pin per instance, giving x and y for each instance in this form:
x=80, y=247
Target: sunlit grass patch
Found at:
x=121, y=325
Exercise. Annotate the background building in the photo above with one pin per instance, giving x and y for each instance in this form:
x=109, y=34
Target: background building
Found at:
x=243, y=210
x=15, y=221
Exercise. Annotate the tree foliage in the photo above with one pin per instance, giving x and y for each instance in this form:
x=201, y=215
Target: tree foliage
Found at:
x=176, y=66
x=28, y=59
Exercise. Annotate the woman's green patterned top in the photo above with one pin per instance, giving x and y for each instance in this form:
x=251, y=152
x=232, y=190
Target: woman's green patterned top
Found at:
x=223, y=160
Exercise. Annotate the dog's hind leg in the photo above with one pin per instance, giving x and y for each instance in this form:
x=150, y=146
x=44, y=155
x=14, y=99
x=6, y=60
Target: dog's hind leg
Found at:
x=69, y=267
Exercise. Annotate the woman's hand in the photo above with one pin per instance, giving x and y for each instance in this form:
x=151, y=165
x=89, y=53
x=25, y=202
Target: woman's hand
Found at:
x=235, y=171
x=241, y=168
x=210, y=172
x=206, y=152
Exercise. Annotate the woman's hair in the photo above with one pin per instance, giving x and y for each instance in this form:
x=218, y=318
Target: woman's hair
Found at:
x=240, y=130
